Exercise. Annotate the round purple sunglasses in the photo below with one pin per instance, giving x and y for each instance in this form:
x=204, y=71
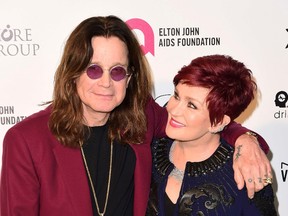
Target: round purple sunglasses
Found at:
x=117, y=72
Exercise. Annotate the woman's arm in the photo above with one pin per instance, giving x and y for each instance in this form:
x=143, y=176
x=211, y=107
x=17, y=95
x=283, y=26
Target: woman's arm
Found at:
x=250, y=164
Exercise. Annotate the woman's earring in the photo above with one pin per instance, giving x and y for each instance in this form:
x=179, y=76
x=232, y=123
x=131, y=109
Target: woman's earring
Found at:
x=220, y=129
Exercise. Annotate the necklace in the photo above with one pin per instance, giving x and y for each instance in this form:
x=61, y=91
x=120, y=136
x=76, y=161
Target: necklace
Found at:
x=91, y=183
x=176, y=173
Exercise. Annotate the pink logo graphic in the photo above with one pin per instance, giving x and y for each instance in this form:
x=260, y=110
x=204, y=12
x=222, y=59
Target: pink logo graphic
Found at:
x=142, y=25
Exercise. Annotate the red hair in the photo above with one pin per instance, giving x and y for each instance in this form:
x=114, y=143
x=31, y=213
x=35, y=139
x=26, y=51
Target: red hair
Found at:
x=231, y=84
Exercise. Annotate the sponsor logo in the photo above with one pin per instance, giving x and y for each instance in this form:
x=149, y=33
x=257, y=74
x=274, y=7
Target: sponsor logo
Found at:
x=145, y=28
x=17, y=42
x=287, y=44
x=187, y=36
x=280, y=101
x=8, y=116
x=163, y=99
x=284, y=171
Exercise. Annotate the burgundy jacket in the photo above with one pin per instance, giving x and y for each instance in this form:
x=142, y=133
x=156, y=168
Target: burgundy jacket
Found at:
x=41, y=177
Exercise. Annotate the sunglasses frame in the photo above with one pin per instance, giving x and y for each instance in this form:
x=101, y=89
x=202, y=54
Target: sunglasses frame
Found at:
x=127, y=74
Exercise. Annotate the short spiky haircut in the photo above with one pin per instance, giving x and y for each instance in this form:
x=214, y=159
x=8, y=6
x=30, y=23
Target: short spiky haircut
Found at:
x=231, y=84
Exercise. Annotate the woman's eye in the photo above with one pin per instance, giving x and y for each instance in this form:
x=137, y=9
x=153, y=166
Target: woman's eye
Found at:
x=191, y=105
x=176, y=96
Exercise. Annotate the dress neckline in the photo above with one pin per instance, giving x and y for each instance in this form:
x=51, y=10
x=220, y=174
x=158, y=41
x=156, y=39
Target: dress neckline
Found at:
x=163, y=165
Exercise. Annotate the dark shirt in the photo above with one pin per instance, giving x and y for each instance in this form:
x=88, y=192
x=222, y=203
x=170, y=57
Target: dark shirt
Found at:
x=97, y=152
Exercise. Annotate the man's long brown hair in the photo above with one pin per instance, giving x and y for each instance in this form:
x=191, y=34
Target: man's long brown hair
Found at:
x=127, y=122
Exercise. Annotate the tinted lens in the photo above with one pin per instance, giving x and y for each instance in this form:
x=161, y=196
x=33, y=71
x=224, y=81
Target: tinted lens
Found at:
x=118, y=73
x=94, y=72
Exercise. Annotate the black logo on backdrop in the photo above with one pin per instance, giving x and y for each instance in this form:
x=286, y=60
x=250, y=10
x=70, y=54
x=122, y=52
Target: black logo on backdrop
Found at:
x=163, y=99
x=284, y=171
x=17, y=42
x=185, y=37
x=287, y=44
x=280, y=101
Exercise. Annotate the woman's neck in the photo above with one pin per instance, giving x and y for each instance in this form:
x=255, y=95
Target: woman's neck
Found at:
x=194, y=151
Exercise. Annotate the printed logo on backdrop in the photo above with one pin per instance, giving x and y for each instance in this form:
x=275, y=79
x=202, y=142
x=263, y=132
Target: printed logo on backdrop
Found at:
x=16, y=41
x=287, y=43
x=163, y=99
x=280, y=101
x=284, y=171
x=185, y=37
x=8, y=116
x=171, y=36
x=147, y=31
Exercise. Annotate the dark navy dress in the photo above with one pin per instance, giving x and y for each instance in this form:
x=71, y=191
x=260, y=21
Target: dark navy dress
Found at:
x=208, y=187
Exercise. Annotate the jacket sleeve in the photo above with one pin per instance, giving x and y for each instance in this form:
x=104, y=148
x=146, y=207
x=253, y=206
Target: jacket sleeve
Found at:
x=158, y=115
x=19, y=185
x=234, y=130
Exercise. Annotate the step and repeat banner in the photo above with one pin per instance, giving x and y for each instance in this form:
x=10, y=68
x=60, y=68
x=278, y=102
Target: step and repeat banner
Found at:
x=172, y=33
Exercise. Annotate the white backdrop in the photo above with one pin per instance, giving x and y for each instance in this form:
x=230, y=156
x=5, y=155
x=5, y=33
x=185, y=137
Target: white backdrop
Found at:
x=32, y=35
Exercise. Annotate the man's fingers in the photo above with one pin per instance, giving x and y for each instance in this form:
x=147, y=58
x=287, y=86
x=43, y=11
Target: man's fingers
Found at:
x=238, y=179
x=250, y=185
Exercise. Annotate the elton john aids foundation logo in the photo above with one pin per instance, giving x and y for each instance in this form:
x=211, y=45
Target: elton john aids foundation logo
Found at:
x=281, y=99
x=145, y=28
x=17, y=42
